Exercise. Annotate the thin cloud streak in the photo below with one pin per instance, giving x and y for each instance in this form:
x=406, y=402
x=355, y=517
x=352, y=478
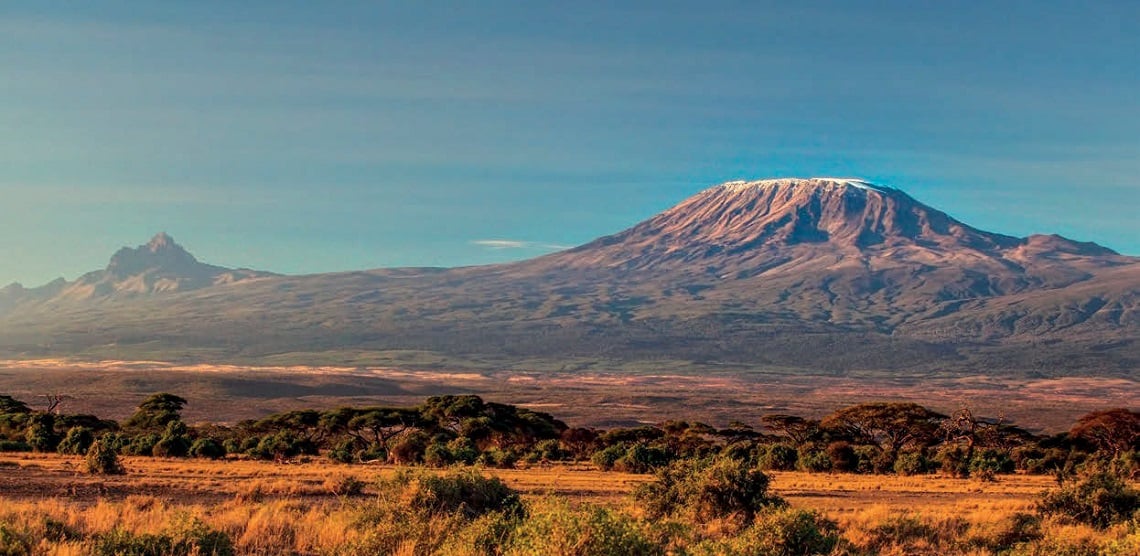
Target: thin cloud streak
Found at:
x=499, y=244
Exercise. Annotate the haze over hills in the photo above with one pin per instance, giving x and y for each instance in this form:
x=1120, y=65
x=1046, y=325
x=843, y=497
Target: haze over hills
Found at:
x=159, y=266
x=821, y=274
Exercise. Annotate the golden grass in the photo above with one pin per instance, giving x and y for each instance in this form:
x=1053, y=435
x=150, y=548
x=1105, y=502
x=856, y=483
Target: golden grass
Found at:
x=267, y=508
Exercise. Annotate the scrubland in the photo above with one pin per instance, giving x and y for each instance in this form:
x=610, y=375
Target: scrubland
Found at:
x=176, y=506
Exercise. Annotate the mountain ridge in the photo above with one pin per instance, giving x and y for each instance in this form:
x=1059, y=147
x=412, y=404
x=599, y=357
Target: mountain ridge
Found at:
x=832, y=274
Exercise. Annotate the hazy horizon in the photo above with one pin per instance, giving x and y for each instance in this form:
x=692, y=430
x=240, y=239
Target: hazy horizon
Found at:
x=303, y=139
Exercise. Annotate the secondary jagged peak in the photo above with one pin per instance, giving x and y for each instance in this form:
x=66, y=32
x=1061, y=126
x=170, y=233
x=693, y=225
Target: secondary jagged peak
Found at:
x=161, y=241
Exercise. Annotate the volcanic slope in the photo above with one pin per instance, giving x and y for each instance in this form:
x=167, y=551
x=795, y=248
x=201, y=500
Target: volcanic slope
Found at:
x=821, y=274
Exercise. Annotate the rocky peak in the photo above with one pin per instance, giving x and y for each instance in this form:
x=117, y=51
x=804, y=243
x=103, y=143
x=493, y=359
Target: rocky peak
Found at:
x=160, y=253
x=845, y=212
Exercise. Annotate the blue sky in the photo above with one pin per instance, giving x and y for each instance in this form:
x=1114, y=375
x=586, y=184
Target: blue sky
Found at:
x=310, y=136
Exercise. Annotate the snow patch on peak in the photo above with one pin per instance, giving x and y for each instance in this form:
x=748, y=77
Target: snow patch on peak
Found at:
x=857, y=183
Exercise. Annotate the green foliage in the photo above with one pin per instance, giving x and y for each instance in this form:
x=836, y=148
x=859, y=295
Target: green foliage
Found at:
x=142, y=445
x=408, y=448
x=557, y=529
x=912, y=463
x=40, y=432
x=155, y=412
x=14, y=446
x=207, y=448
x=174, y=442
x=778, y=532
x=466, y=492
x=10, y=405
x=77, y=441
x=1100, y=499
x=815, y=461
x=707, y=489
x=192, y=538
x=14, y=542
x=640, y=458
x=777, y=457
x=608, y=456
x=103, y=460
x=500, y=459
x=280, y=446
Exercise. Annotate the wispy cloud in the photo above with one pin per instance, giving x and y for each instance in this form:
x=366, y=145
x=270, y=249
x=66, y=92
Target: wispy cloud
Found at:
x=517, y=244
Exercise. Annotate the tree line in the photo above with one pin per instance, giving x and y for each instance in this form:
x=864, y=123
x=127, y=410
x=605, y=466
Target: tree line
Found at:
x=881, y=438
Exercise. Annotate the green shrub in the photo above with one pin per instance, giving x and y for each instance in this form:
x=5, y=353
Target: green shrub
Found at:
x=905, y=534
x=501, y=459
x=40, y=432
x=778, y=532
x=207, y=448
x=1100, y=499
x=437, y=454
x=77, y=441
x=14, y=542
x=815, y=461
x=102, y=460
x=912, y=463
x=777, y=457
x=641, y=458
x=14, y=446
x=554, y=528
x=142, y=445
x=609, y=455
x=865, y=458
x=988, y=463
x=192, y=538
x=707, y=489
x=842, y=456
x=463, y=491
x=463, y=450
x=1020, y=528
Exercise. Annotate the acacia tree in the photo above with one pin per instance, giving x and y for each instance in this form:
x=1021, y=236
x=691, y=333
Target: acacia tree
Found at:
x=888, y=425
x=798, y=429
x=1114, y=430
x=11, y=405
x=156, y=411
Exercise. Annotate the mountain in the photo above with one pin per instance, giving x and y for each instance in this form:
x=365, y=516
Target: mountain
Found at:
x=159, y=266
x=821, y=274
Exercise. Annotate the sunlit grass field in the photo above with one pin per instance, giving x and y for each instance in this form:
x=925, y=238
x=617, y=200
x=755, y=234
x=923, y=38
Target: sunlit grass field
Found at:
x=305, y=508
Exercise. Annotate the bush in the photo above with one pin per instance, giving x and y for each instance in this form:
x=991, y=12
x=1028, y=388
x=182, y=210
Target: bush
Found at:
x=194, y=539
x=142, y=445
x=344, y=485
x=865, y=457
x=40, y=432
x=555, y=528
x=907, y=534
x=991, y=462
x=77, y=441
x=842, y=457
x=103, y=460
x=14, y=446
x=207, y=448
x=814, y=461
x=501, y=459
x=463, y=491
x=911, y=463
x=707, y=489
x=437, y=454
x=640, y=458
x=606, y=457
x=778, y=532
x=777, y=457
x=1101, y=499
x=13, y=542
